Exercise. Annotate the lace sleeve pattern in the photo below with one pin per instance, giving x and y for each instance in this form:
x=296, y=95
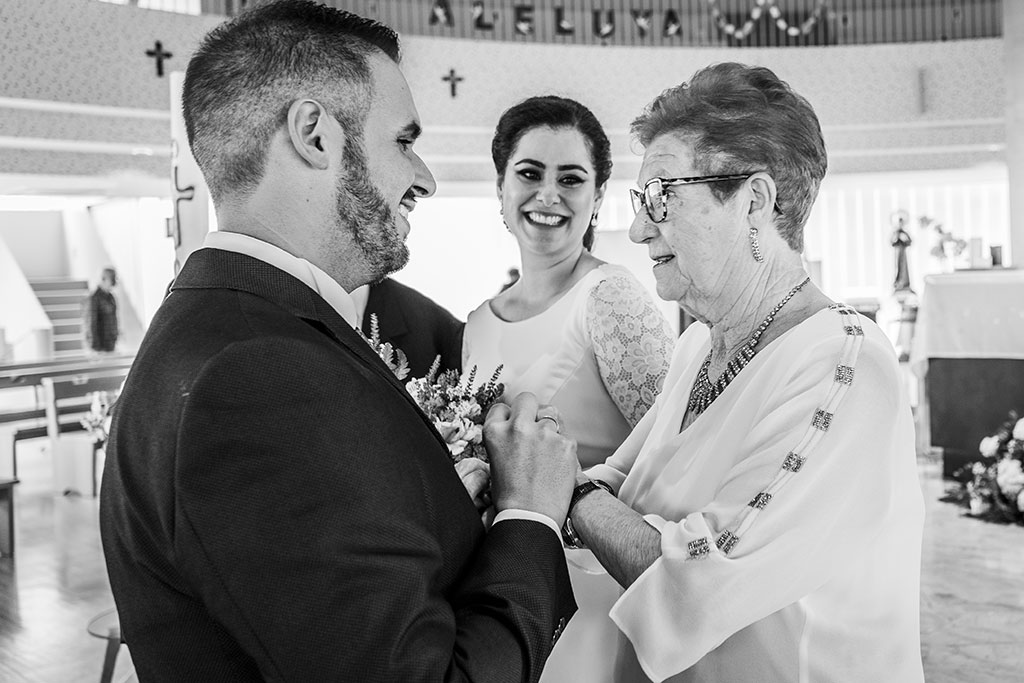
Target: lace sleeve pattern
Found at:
x=632, y=343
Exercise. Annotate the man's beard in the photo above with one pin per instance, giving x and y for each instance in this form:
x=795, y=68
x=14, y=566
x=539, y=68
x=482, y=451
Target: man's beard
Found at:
x=362, y=209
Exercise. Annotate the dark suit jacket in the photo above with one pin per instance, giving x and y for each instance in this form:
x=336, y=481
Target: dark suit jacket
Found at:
x=415, y=324
x=276, y=507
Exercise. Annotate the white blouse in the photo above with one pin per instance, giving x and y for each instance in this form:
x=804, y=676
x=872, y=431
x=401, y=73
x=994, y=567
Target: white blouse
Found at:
x=790, y=516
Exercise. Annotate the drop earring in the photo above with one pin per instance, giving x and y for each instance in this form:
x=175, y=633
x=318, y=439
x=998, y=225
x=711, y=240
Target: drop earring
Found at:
x=755, y=247
x=501, y=212
x=593, y=220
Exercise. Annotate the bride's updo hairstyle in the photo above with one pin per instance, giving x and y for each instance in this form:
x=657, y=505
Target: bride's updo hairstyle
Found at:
x=551, y=111
x=738, y=119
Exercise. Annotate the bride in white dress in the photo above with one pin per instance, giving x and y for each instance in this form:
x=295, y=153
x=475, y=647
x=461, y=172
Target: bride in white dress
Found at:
x=581, y=334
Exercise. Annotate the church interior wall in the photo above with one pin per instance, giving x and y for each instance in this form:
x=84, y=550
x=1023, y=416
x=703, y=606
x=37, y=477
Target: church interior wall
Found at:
x=80, y=97
x=925, y=105
x=25, y=330
x=36, y=239
x=76, y=71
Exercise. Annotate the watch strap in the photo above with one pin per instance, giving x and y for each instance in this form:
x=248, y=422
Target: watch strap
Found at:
x=569, y=535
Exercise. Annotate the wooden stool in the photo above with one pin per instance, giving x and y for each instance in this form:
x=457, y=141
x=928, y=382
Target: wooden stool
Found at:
x=7, y=517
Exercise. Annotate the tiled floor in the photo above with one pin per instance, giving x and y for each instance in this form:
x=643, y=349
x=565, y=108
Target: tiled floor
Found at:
x=972, y=594
x=51, y=589
x=972, y=597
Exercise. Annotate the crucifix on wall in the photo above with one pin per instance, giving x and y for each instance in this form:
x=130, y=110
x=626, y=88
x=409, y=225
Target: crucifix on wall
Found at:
x=159, y=54
x=180, y=194
x=452, y=80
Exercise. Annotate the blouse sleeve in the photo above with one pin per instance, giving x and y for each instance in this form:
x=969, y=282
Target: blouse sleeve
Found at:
x=632, y=343
x=831, y=464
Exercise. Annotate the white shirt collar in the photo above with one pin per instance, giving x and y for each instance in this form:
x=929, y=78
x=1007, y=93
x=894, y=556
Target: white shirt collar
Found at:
x=360, y=297
x=312, y=276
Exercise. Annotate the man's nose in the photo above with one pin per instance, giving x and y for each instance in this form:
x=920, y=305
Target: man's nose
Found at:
x=424, y=184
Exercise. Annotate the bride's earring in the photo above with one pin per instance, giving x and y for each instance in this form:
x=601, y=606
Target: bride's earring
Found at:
x=593, y=220
x=501, y=212
x=755, y=246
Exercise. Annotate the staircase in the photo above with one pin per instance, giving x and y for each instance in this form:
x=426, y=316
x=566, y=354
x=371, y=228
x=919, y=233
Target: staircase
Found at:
x=64, y=301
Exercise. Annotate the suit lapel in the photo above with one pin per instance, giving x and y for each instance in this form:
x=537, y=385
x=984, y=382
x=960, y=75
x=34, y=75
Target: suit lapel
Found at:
x=220, y=269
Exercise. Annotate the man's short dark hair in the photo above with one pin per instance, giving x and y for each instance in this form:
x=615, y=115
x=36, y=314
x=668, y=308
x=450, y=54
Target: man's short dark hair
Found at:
x=248, y=71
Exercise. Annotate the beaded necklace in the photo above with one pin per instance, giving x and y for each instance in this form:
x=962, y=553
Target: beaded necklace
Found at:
x=704, y=392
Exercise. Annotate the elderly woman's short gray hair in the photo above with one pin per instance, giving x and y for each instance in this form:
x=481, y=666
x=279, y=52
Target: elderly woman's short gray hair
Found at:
x=740, y=119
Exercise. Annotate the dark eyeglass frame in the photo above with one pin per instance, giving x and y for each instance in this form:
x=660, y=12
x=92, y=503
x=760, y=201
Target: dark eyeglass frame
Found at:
x=639, y=198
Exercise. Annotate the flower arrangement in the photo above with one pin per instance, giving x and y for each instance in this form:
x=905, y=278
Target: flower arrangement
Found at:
x=993, y=487
x=451, y=401
x=457, y=407
x=944, y=245
x=97, y=420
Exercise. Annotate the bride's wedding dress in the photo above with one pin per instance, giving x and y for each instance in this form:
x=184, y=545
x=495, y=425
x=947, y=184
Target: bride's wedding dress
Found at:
x=599, y=354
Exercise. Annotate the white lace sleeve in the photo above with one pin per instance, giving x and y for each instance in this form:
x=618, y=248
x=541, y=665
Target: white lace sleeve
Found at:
x=632, y=342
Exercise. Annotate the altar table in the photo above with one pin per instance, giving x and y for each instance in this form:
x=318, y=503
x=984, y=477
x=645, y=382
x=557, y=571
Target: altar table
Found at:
x=969, y=348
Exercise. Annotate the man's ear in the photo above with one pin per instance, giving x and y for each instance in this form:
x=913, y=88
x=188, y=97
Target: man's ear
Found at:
x=314, y=133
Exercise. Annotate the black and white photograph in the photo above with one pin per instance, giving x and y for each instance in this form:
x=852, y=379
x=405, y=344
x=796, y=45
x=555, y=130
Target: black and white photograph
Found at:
x=512, y=341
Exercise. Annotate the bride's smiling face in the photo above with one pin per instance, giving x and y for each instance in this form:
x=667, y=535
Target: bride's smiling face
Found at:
x=549, y=191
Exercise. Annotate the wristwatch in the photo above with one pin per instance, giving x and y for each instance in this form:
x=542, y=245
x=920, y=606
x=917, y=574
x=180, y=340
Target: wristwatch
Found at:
x=569, y=535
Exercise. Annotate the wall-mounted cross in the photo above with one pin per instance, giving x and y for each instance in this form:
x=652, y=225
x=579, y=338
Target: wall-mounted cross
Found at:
x=452, y=80
x=180, y=194
x=159, y=54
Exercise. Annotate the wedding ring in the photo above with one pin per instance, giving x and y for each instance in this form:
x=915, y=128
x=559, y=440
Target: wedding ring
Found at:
x=548, y=413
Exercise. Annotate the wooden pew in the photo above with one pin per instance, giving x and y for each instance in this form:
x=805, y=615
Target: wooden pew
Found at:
x=72, y=390
x=32, y=374
x=66, y=399
x=32, y=412
x=7, y=517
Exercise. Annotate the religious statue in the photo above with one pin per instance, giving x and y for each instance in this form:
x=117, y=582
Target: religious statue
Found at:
x=900, y=312
x=900, y=240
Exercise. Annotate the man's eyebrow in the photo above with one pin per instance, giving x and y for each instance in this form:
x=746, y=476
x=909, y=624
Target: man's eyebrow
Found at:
x=563, y=167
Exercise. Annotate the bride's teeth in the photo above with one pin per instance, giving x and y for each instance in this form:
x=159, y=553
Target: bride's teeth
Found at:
x=546, y=220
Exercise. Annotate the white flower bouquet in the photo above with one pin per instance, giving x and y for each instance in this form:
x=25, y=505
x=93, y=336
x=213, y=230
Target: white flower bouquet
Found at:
x=450, y=399
x=457, y=407
x=97, y=420
x=993, y=487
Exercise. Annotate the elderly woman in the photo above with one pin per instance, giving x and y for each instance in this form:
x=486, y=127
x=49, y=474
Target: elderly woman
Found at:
x=766, y=518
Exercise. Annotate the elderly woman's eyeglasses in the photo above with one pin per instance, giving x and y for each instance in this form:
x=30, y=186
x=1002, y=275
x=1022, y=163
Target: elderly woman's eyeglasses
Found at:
x=655, y=199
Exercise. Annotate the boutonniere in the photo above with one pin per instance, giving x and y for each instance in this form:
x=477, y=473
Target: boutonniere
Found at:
x=394, y=358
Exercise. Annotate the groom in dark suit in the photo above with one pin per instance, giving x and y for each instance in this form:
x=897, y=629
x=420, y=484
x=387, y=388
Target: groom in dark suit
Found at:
x=275, y=506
